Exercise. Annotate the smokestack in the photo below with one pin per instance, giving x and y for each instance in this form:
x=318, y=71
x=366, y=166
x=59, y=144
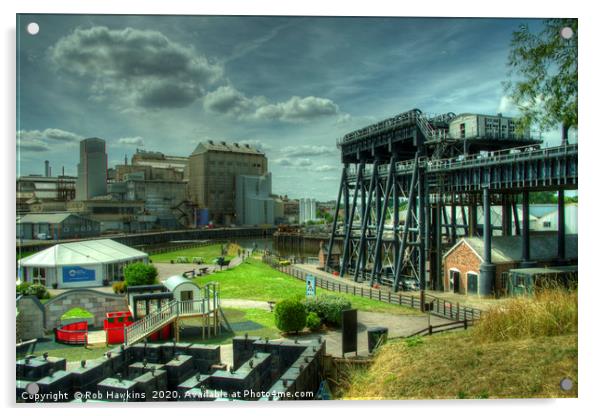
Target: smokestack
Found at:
x=63, y=170
x=46, y=168
x=126, y=159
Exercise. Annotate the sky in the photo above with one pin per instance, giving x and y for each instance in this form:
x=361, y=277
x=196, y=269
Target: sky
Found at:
x=288, y=85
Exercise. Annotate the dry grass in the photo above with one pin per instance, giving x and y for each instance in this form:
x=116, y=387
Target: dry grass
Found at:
x=548, y=313
x=453, y=366
x=521, y=349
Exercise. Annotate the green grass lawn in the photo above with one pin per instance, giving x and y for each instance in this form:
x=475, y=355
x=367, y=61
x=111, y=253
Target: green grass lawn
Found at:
x=77, y=313
x=257, y=281
x=23, y=254
x=250, y=316
x=208, y=253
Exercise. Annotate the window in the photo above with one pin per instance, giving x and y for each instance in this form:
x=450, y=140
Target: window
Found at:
x=39, y=275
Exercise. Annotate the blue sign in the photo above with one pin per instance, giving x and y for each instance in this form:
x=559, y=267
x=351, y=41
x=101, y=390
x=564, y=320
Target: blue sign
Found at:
x=73, y=274
x=310, y=286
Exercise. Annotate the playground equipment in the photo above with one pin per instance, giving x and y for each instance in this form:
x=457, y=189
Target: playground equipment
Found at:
x=74, y=333
x=158, y=311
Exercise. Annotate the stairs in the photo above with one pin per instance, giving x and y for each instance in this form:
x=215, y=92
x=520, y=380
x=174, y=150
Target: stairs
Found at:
x=207, y=307
x=151, y=323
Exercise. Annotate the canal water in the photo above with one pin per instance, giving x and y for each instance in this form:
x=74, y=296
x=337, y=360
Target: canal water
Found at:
x=245, y=242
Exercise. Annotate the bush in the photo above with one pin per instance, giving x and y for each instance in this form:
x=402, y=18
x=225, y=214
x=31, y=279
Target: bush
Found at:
x=290, y=315
x=137, y=274
x=313, y=321
x=22, y=288
x=328, y=308
x=119, y=287
x=37, y=290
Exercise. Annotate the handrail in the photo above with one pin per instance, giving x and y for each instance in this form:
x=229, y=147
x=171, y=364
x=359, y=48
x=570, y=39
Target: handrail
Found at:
x=153, y=321
x=513, y=154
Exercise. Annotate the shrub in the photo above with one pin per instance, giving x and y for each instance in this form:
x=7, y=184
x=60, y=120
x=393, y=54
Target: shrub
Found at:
x=119, y=287
x=328, y=307
x=37, y=290
x=22, y=288
x=313, y=321
x=137, y=274
x=290, y=315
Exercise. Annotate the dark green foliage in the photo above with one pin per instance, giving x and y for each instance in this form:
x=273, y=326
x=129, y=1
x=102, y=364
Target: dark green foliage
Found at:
x=22, y=288
x=313, y=321
x=37, y=290
x=328, y=308
x=137, y=274
x=543, y=73
x=290, y=315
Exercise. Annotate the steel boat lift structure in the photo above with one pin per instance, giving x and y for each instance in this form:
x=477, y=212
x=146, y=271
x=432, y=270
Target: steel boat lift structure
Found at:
x=411, y=160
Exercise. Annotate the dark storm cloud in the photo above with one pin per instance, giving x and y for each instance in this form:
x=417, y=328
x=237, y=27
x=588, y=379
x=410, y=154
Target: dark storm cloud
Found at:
x=142, y=67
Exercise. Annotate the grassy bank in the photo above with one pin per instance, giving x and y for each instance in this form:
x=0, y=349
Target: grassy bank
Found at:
x=256, y=280
x=207, y=253
x=523, y=348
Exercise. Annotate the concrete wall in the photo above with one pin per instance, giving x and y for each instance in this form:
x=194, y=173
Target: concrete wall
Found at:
x=96, y=302
x=30, y=320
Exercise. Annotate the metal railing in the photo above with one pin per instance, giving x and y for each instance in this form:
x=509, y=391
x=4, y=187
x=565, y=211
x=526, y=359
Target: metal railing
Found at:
x=515, y=154
x=209, y=303
x=150, y=323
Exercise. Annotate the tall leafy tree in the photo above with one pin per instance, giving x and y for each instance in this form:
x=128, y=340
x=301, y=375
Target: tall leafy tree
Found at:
x=543, y=75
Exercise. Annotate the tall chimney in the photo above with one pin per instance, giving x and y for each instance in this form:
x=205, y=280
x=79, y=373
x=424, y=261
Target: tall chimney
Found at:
x=46, y=168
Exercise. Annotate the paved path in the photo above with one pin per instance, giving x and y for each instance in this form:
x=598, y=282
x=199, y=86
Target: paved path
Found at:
x=245, y=304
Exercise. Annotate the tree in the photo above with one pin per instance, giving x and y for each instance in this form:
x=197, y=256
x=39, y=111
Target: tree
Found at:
x=544, y=66
x=137, y=274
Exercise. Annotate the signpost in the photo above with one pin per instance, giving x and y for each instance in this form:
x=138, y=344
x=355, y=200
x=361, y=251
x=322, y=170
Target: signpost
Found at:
x=310, y=286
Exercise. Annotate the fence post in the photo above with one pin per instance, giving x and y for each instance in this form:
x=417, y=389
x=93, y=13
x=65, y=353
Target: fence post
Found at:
x=465, y=324
x=430, y=330
x=457, y=311
x=412, y=297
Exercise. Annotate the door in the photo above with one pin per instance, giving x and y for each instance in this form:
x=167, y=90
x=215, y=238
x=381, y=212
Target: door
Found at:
x=454, y=281
x=186, y=295
x=473, y=282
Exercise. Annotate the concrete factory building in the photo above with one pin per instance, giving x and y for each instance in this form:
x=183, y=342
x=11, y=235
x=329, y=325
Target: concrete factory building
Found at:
x=213, y=168
x=479, y=126
x=79, y=264
x=307, y=210
x=91, y=169
x=59, y=226
x=254, y=205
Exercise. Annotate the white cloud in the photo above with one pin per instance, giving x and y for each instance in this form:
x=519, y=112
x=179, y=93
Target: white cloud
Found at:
x=228, y=100
x=43, y=140
x=131, y=141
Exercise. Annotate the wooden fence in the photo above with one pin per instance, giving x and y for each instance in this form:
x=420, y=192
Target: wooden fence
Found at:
x=440, y=307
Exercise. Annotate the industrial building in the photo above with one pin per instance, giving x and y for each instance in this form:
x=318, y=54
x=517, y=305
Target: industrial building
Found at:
x=38, y=193
x=463, y=261
x=254, y=204
x=57, y=226
x=213, y=168
x=307, y=210
x=114, y=215
x=91, y=169
x=161, y=161
x=480, y=126
x=79, y=264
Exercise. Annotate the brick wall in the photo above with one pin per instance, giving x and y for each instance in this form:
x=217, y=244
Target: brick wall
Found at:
x=96, y=302
x=464, y=259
